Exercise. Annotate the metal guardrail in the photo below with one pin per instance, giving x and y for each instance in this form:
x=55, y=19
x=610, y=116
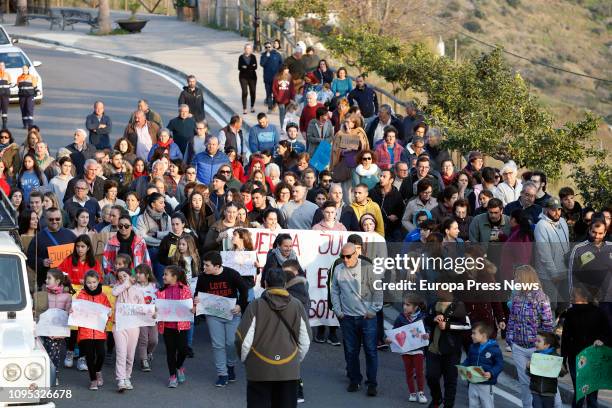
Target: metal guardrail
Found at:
x=272, y=31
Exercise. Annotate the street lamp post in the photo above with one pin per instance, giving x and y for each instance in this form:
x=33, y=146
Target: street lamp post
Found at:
x=256, y=25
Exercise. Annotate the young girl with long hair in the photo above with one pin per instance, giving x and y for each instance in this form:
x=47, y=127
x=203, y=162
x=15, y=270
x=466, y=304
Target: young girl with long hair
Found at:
x=175, y=333
x=148, y=337
x=30, y=178
x=59, y=296
x=81, y=261
x=126, y=340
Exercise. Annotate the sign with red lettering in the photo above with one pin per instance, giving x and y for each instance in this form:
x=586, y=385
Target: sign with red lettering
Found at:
x=316, y=251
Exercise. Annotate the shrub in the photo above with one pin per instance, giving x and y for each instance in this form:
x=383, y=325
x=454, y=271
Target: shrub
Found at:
x=472, y=26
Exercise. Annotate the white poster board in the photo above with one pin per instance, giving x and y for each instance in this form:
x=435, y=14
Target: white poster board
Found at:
x=213, y=305
x=53, y=323
x=174, y=310
x=129, y=316
x=408, y=338
x=88, y=314
x=241, y=261
x=316, y=251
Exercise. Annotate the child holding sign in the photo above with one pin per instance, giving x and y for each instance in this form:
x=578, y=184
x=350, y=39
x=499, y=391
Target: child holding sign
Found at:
x=544, y=389
x=126, y=340
x=413, y=360
x=58, y=296
x=91, y=342
x=148, y=337
x=484, y=353
x=175, y=333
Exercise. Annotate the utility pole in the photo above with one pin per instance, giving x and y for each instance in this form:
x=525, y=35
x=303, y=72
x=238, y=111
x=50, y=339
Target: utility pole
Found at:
x=455, y=50
x=256, y=25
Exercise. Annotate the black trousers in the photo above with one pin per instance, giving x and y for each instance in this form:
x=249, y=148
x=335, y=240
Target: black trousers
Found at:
x=26, y=103
x=272, y=394
x=4, y=105
x=438, y=366
x=176, y=349
x=248, y=85
x=94, y=353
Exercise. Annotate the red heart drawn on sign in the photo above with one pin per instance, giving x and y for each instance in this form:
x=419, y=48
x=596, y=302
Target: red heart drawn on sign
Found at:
x=400, y=338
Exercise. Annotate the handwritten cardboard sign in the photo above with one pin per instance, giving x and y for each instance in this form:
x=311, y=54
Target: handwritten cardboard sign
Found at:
x=88, y=314
x=53, y=323
x=545, y=365
x=129, y=316
x=57, y=253
x=214, y=305
x=108, y=291
x=472, y=374
x=408, y=338
x=348, y=141
x=174, y=310
x=242, y=261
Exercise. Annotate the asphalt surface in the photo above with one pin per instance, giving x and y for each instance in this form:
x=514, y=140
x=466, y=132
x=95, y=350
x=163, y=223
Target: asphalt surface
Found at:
x=73, y=82
x=322, y=372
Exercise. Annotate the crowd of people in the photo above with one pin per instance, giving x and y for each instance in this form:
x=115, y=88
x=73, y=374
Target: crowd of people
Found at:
x=170, y=196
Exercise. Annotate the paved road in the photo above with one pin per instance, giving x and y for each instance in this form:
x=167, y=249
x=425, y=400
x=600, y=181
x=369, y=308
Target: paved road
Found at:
x=72, y=82
x=68, y=99
x=323, y=373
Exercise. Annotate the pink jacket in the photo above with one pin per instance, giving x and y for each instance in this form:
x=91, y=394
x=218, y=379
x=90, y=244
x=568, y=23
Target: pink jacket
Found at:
x=384, y=159
x=128, y=293
x=184, y=294
x=60, y=301
x=322, y=227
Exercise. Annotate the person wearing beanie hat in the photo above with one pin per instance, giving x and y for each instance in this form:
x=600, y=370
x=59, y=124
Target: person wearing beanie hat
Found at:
x=510, y=189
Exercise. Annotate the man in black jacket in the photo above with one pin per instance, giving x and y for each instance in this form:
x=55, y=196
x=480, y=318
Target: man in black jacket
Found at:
x=391, y=204
x=95, y=184
x=193, y=97
x=365, y=98
x=385, y=118
x=80, y=151
x=346, y=214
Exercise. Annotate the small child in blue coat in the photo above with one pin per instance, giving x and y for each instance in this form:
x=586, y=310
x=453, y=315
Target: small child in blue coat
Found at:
x=484, y=353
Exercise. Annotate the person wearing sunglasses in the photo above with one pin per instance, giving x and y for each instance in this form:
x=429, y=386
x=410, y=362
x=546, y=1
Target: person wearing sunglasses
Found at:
x=367, y=172
x=53, y=235
x=126, y=241
x=355, y=302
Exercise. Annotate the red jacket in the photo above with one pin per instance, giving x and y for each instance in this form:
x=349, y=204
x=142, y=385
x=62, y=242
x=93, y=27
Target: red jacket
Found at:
x=184, y=294
x=308, y=113
x=84, y=332
x=76, y=273
x=283, y=90
x=384, y=158
x=5, y=186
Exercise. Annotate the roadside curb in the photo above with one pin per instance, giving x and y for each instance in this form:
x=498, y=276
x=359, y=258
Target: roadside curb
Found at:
x=225, y=110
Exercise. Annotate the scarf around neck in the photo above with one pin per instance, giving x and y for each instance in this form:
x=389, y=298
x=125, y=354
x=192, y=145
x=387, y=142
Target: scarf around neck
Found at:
x=94, y=292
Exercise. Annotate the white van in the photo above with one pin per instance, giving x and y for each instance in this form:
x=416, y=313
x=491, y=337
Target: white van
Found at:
x=24, y=363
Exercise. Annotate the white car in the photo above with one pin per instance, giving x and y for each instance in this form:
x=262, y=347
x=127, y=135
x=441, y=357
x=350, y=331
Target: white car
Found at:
x=5, y=38
x=14, y=59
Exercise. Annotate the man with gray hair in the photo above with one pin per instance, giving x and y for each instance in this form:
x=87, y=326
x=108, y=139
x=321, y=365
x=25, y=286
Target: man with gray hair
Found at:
x=183, y=127
x=141, y=184
x=526, y=203
x=376, y=130
x=80, y=151
x=95, y=184
x=150, y=114
x=208, y=162
x=142, y=134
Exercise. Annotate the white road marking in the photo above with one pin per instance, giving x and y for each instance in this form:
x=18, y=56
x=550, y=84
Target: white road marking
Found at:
x=508, y=397
x=211, y=108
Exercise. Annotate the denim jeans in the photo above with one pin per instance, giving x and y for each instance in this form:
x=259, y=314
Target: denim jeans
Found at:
x=282, y=111
x=269, y=95
x=541, y=401
x=357, y=330
x=521, y=355
x=222, y=334
x=190, y=335
x=158, y=269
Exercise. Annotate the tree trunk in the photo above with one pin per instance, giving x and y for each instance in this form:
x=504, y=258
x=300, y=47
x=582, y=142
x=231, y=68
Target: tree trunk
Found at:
x=219, y=12
x=104, y=17
x=22, y=11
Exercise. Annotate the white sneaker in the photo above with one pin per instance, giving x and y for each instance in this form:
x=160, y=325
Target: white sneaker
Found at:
x=81, y=364
x=412, y=398
x=121, y=386
x=128, y=384
x=69, y=360
x=422, y=397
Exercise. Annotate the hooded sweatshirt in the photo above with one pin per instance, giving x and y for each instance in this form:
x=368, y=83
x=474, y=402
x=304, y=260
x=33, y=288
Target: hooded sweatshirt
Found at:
x=270, y=350
x=370, y=207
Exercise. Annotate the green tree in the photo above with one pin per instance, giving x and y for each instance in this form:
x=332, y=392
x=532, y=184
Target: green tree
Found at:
x=481, y=104
x=297, y=8
x=595, y=182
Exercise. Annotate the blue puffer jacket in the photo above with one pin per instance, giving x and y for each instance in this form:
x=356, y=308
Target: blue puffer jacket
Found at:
x=207, y=165
x=488, y=356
